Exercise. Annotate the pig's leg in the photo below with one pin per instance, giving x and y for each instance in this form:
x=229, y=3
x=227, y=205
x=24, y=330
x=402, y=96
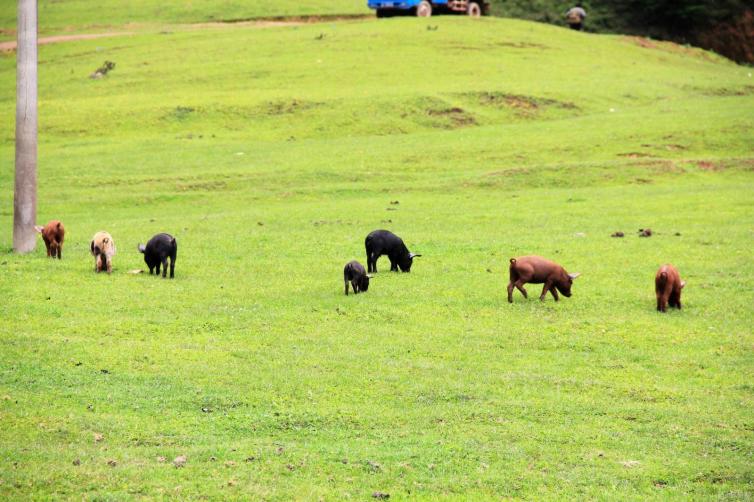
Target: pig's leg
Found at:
x=172, y=267
x=164, y=267
x=520, y=286
x=60, y=251
x=510, y=292
x=157, y=268
x=662, y=302
x=554, y=292
x=675, y=299
x=547, y=287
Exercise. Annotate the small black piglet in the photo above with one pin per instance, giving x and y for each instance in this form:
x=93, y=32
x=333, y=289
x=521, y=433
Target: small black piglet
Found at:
x=355, y=274
x=157, y=251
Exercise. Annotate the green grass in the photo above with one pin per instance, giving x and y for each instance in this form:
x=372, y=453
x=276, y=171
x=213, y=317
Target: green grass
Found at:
x=270, y=154
x=76, y=16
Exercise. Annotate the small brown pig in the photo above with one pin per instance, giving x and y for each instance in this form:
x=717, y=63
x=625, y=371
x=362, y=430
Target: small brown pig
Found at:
x=668, y=286
x=53, y=234
x=538, y=270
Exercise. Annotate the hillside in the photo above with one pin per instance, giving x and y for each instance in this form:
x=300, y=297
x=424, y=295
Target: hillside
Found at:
x=87, y=16
x=270, y=154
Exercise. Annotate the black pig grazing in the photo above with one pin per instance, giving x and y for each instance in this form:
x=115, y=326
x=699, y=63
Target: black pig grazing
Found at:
x=355, y=274
x=382, y=242
x=157, y=251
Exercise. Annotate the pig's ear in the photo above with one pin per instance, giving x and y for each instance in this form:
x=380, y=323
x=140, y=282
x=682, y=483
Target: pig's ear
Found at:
x=38, y=228
x=573, y=276
x=141, y=248
x=683, y=283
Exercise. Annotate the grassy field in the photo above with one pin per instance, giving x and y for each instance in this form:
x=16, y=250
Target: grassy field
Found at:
x=77, y=16
x=270, y=154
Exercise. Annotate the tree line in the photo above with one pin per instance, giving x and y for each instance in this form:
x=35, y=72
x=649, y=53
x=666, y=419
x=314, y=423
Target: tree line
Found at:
x=725, y=26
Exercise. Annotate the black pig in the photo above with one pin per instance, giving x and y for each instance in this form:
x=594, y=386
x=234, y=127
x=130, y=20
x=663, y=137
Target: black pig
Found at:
x=355, y=274
x=382, y=242
x=157, y=251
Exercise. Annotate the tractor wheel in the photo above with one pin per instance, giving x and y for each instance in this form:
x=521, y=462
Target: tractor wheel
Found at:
x=424, y=9
x=474, y=10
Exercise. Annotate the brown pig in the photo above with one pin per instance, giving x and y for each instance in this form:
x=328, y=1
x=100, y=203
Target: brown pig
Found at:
x=53, y=234
x=668, y=286
x=538, y=270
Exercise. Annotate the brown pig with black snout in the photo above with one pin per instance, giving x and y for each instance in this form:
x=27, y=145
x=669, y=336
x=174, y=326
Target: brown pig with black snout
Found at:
x=53, y=234
x=538, y=270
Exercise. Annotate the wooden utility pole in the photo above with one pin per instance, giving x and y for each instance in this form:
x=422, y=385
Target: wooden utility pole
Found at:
x=25, y=192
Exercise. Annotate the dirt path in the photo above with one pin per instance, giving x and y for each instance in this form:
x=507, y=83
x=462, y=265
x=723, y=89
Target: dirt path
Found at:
x=10, y=46
x=250, y=23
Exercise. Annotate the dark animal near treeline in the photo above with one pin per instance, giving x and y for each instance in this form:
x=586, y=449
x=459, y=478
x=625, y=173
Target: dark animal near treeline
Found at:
x=53, y=234
x=103, y=250
x=668, y=286
x=157, y=251
x=538, y=270
x=382, y=242
x=355, y=274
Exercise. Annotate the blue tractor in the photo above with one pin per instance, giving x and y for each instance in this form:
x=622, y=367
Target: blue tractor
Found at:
x=425, y=8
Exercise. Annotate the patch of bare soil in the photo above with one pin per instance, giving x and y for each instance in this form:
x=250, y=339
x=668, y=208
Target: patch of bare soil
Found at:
x=521, y=45
x=292, y=106
x=668, y=146
x=719, y=165
x=657, y=165
x=284, y=20
x=674, y=146
x=457, y=116
x=746, y=90
x=708, y=166
x=643, y=42
x=634, y=155
x=11, y=46
x=266, y=22
x=521, y=103
x=671, y=47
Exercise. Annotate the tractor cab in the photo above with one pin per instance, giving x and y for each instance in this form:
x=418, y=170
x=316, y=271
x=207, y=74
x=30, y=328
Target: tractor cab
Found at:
x=425, y=8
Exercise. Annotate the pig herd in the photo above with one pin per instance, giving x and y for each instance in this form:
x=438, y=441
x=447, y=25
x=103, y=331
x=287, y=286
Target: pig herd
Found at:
x=522, y=270
x=156, y=253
